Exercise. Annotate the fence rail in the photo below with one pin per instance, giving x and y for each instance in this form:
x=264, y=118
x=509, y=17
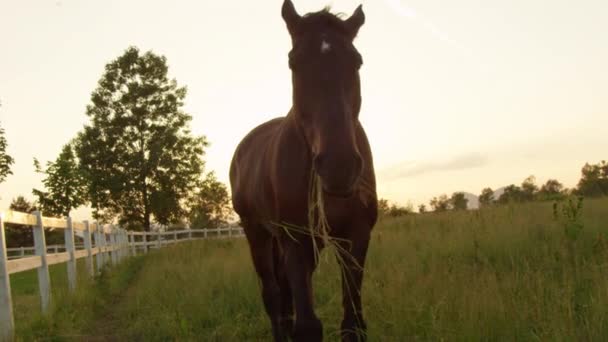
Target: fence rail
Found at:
x=107, y=243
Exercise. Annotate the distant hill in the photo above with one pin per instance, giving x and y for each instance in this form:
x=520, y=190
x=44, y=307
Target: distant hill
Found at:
x=472, y=200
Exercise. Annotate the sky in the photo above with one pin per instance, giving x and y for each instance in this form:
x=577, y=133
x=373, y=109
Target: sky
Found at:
x=457, y=95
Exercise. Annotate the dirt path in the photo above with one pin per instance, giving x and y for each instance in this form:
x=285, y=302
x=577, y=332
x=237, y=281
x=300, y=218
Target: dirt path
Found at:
x=108, y=322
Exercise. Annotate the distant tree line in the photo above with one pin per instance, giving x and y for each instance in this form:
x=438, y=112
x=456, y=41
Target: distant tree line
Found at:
x=593, y=183
x=392, y=209
x=136, y=162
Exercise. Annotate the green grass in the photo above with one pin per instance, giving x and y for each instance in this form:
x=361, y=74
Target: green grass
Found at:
x=504, y=273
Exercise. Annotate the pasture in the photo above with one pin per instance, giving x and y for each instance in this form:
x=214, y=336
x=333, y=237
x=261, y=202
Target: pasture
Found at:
x=515, y=272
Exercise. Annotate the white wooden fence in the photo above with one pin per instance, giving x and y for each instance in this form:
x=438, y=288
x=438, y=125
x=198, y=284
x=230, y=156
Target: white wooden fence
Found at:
x=108, y=243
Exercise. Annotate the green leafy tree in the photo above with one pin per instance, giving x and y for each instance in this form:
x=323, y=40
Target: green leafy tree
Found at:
x=211, y=205
x=422, y=208
x=594, y=180
x=551, y=190
x=396, y=210
x=458, y=201
x=383, y=207
x=19, y=235
x=441, y=203
x=486, y=197
x=386, y=209
x=23, y=236
x=5, y=160
x=512, y=193
x=529, y=188
x=141, y=161
x=64, y=182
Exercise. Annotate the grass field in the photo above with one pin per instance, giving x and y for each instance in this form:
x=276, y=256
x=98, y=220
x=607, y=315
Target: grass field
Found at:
x=516, y=272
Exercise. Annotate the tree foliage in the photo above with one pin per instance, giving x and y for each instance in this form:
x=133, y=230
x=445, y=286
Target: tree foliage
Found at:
x=594, y=180
x=23, y=236
x=529, y=188
x=19, y=235
x=551, y=190
x=441, y=203
x=422, y=209
x=141, y=161
x=211, y=206
x=458, y=201
x=5, y=160
x=392, y=209
x=64, y=183
x=511, y=193
x=486, y=197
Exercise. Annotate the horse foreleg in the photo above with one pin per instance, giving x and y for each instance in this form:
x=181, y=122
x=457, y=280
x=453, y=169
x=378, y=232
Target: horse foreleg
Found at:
x=287, y=317
x=352, y=260
x=261, y=248
x=299, y=266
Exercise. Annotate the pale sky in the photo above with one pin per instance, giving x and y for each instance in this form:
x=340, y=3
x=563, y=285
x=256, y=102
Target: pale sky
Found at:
x=457, y=95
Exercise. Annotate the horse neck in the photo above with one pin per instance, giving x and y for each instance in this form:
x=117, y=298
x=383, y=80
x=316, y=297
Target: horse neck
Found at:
x=292, y=148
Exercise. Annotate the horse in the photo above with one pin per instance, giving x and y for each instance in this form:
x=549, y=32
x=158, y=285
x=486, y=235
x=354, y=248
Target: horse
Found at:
x=276, y=164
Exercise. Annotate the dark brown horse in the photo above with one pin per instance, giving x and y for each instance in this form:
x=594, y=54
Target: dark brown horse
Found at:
x=271, y=170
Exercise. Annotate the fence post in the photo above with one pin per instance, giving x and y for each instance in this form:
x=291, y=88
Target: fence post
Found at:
x=125, y=239
x=105, y=240
x=88, y=247
x=145, y=241
x=7, y=322
x=205, y=233
x=99, y=256
x=44, y=281
x=114, y=252
x=229, y=232
x=121, y=245
x=131, y=243
x=124, y=243
x=190, y=234
x=70, y=249
x=22, y=251
x=158, y=243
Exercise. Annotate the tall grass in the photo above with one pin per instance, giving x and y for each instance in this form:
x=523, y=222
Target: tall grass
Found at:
x=505, y=273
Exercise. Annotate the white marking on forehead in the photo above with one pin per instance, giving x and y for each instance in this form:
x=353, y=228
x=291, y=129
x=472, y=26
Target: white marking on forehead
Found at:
x=325, y=46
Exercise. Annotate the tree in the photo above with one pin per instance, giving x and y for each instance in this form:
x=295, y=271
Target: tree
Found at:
x=529, y=188
x=383, y=207
x=441, y=203
x=512, y=193
x=19, y=235
x=396, y=210
x=594, y=180
x=5, y=160
x=23, y=236
x=422, y=208
x=64, y=182
x=141, y=161
x=458, y=201
x=392, y=209
x=486, y=197
x=551, y=190
x=211, y=205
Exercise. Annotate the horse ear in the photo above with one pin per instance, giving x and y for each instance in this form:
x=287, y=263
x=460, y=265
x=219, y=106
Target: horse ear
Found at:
x=291, y=17
x=354, y=23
